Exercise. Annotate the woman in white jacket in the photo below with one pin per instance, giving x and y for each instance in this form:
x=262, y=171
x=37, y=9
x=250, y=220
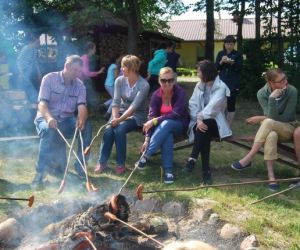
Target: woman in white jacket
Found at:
x=207, y=106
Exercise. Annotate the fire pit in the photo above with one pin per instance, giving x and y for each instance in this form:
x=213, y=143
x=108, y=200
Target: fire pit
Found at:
x=79, y=225
x=88, y=228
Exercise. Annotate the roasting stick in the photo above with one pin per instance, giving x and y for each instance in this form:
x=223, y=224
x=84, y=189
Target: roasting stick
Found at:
x=112, y=217
x=125, y=183
x=140, y=188
x=91, y=243
x=63, y=182
x=88, y=148
x=30, y=199
x=275, y=194
x=89, y=185
x=68, y=144
x=83, y=158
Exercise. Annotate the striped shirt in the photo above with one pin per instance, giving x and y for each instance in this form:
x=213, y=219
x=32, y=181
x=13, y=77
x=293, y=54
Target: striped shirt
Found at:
x=27, y=60
x=62, y=99
x=135, y=97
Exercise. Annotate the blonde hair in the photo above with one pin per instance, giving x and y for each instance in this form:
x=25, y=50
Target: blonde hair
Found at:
x=132, y=62
x=166, y=70
x=189, y=245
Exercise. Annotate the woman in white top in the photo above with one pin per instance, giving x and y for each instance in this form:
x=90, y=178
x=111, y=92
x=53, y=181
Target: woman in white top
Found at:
x=207, y=106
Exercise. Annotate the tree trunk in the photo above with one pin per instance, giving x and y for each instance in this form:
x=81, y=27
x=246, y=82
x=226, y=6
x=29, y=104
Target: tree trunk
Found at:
x=134, y=26
x=240, y=27
x=257, y=20
x=279, y=34
x=210, y=29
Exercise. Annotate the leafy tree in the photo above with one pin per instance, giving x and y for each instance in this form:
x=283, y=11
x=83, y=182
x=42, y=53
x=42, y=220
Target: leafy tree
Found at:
x=77, y=18
x=209, y=6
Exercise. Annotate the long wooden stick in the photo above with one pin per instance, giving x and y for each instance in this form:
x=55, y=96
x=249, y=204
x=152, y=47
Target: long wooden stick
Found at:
x=88, y=148
x=16, y=138
x=113, y=218
x=68, y=144
x=221, y=185
x=91, y=243
x=275, y=194
x=30, y=199
x=127, y=180
x=63, y=182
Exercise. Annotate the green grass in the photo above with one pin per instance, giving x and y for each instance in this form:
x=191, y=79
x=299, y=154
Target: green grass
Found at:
x=276, y=221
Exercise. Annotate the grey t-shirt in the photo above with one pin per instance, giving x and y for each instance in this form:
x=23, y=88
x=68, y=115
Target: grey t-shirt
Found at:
x=136, y=97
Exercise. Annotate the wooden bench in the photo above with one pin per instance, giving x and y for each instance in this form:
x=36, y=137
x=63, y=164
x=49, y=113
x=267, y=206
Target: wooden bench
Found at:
x=285, y=151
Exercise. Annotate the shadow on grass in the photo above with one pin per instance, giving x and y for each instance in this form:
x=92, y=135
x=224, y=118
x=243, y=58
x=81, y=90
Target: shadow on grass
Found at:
x=7, y=186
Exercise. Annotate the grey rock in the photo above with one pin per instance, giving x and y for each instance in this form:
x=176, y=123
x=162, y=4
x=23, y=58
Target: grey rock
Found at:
x=214, y=218
x=230, y=231
x=11, y=232
x=173, y=209
x=249, y=242
x=147, y=205
x=202, y=214
x=158, y=225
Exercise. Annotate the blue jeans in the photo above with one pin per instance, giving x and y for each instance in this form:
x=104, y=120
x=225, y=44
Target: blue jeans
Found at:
x=52, y=148
x=163, y=137
x=110, y=90
x=116, y=135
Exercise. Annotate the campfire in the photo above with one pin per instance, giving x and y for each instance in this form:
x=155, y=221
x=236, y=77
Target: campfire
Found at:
x=92, y=226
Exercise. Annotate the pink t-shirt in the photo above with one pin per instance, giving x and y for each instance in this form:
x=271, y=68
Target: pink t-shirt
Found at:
x=165, y=109
x=86, y=73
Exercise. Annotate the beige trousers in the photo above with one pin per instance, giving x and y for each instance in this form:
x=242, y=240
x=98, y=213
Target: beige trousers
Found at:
x=270, y=133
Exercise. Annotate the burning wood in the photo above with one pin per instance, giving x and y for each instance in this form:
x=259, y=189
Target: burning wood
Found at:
x=91, y=229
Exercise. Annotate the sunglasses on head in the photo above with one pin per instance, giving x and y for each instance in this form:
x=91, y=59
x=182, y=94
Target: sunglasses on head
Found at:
x=165, y=81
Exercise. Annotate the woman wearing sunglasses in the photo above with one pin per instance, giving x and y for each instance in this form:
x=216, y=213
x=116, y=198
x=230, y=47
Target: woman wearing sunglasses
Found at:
x=278, y=101
x=168, y=117
x=208, y=120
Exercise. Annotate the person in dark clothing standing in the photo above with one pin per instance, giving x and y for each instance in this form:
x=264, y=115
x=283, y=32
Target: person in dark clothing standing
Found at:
x=229, y=63
x=158, y=61
x=173, y=58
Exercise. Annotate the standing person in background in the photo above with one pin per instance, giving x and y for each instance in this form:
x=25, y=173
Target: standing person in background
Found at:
x=129, y=112
x=229, y=63
x=207, y=111
x=28, y=67
x=112, y=73
x=159, y=60
x=173, y=58
x=4, y=71
x=90, y=50
x=62, y=105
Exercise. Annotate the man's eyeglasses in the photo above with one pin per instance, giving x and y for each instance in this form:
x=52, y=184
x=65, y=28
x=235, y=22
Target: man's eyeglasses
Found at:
x=165, y=81
x=282, y=80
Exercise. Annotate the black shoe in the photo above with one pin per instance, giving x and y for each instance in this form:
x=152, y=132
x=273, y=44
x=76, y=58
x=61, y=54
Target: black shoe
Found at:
x=190, y=165
x=169, y=178
x=207, y=180
x=141, y=163
x=37, y=182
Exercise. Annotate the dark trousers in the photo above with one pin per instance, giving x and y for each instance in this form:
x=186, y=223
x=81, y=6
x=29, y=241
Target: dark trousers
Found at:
x=154, y=84
x=202, y=143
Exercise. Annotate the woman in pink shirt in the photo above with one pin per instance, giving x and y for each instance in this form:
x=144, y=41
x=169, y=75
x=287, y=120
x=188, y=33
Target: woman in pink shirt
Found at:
x=90, y=50
x=168, y=117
